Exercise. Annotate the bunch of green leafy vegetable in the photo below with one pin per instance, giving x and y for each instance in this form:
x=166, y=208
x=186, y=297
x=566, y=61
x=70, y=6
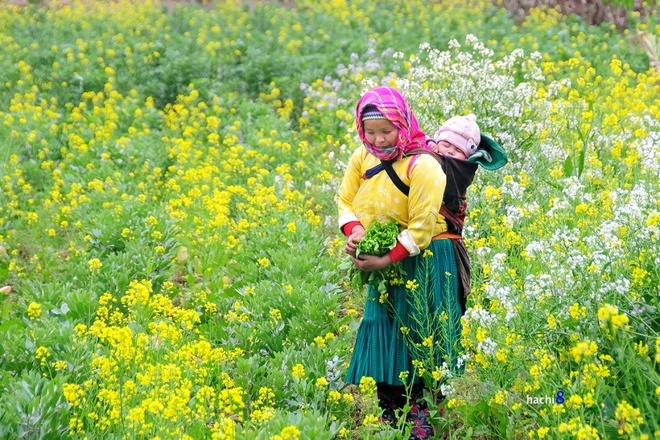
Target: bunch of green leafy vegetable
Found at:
x=379, y=238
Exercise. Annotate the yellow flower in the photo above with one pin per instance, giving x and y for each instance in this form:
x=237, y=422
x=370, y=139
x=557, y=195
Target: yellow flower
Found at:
x=628, y=417
x=210, y=308
x=370, y=420
x=334, y=396
x=535, y=371
x=455, y=402
x=72, y=393
x=638, y=276
x=322, y=382
x=367, y=385
x=419, y=367
x=312, y=218
x=606, y=311
x=575, y=401
x=34, y=310
x=411, y=285
x=588, y=400
x=59, y=365
x=499, y=397
x=641, y=348
x=42, y=355
x=106, y=298
x=577, y=311
x=481, y=334
x=583, y=349
x=94, y=264
x=298, y=371
x=619, y=320
x=290, y=432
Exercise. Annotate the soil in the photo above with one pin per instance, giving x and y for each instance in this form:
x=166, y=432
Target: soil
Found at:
x=593, y=11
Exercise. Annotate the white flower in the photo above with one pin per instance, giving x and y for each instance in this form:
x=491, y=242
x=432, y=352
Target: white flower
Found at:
x=462, y=359
x=488, y=346
x=481, y=316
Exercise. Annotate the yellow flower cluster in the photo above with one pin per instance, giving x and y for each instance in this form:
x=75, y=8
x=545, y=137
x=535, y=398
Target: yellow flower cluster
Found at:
x=73, y=394
x=34, y=310
x=42, y=354
x=298, y=372
x=95, y=264
x=412, y=285
x=367, y=386
x=290, y=432
x=583, y=349
x=608, y=313
x=579, y=429
x=629, y=418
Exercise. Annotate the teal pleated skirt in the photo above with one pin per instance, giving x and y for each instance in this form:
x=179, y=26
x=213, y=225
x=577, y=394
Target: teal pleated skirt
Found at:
x=419, y=320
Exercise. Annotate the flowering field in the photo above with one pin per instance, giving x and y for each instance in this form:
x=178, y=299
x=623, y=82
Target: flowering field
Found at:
x=168, y=244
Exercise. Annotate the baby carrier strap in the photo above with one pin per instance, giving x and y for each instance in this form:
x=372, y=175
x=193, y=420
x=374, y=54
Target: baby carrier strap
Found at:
x=389, y=169
x=396, y=180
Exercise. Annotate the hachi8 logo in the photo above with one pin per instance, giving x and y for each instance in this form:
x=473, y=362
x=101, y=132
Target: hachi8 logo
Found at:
x=557, y=399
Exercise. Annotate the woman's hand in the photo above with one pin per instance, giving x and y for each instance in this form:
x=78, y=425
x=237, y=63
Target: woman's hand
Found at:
x=369, y=263
x=352, y=241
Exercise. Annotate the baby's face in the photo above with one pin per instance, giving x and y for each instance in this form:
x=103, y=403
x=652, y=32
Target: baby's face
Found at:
x=447, y=149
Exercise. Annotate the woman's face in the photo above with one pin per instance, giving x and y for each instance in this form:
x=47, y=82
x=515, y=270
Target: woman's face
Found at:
x=380, y=133
x=447, y=149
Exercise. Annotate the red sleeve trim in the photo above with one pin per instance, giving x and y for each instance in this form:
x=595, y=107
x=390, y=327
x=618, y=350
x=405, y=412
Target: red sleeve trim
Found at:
x=348, y=227
x=398, y=253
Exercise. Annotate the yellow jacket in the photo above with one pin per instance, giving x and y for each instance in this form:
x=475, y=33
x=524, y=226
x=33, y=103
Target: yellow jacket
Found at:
x=377, y=198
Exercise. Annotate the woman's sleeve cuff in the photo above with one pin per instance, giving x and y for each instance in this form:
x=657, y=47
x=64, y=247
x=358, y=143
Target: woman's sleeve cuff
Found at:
x=408, y=242
x=345, y=219
x=348, y=227
x=398, y=252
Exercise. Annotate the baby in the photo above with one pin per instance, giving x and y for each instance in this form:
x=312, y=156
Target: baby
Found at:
x=458, y=137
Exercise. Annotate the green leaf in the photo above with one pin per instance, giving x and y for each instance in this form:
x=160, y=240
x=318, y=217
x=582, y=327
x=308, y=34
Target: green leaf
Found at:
x=568, y=166
x=581, y=162
x=13, y=323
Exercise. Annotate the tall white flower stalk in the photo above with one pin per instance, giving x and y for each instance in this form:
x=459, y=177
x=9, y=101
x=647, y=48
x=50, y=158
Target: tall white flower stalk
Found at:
x=504, y=93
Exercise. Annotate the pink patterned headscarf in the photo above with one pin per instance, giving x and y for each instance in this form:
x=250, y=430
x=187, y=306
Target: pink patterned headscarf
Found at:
x=391, y=103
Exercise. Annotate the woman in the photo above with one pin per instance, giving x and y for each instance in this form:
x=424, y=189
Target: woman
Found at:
x=420, y=319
